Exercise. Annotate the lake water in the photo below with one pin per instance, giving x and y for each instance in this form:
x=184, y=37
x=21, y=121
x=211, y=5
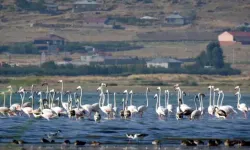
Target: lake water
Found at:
x=113, y=131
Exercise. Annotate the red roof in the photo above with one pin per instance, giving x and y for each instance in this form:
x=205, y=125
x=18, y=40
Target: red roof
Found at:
x=50, y=37
x=240, y=33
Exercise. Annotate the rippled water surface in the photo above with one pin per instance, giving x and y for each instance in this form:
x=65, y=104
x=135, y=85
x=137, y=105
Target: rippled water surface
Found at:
x=113, y=131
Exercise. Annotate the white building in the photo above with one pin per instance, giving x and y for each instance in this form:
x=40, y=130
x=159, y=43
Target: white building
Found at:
x=165, y=63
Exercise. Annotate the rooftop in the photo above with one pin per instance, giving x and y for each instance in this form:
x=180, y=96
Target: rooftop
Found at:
x=164, y=60
x=86, y=2
x=240, y=33
x=50, y=37
x=174, y=15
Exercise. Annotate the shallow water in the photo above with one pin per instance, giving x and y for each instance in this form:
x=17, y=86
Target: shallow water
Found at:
x=113, y=131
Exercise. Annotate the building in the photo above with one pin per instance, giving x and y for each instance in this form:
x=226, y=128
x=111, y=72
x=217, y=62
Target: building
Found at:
x=109, y=60
x=165, y=63
x=50, y=42
x=229, y=38
x=95, y=22
x=174, y=19
x=86, y=5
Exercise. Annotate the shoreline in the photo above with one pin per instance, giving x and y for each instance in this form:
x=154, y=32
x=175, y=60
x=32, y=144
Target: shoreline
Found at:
x=137, y=83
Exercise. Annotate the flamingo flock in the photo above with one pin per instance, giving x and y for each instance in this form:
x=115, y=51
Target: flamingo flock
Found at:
x=53, y=107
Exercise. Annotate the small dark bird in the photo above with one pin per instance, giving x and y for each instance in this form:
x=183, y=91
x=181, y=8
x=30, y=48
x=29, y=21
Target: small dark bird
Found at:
x=156, y=142
x=43, y=140
x=214, y=142
x=230, y=142
x=95, y=143
x=79, y=142
x=20, y=142
x=244, y=143
x=198, y=142
x=66, y=142
x=14, y=141
x=188, y=143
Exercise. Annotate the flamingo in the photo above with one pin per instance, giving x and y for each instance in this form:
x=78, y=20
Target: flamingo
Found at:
x=143, y=108
x=196, y=114
x=4, y=110
x=15, y=108
x=241, y=106
x=159, y=97
x=64, y=104
x=108, y=104
x=58, y=110
x=201, y=108
x=86, y=107
x=115, y=109
x=183, y=107
x=105, y=109
x=167, y=105
x=227, y=108
x=26, y=110
x=159, y=109
x=131, y=107
x=210, y=107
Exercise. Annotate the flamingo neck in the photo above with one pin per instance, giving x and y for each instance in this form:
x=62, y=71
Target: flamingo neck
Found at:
x=114, y=101
x=147, y=97
x=159, y=96
x=103, y=99
x=10, y=97
x=195, y=104
x=131, y=97
x=210, y=97
x=218, y=100
x=62, y=94
x=167, y=98
x=214, y=99
x=156, y=105
x=108, y=98
x=81, y=98
x=4, y=100
x=222, y=98
x=47, y=91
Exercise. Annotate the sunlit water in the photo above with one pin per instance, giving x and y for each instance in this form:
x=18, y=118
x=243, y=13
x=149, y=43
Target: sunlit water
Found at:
x=113, y=131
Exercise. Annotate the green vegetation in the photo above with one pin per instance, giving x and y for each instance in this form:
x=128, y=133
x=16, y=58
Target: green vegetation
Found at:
x=31, y=6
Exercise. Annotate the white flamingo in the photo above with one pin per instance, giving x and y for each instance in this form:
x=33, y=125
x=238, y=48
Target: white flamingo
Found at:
x=64, y=104
x=86, y=107
x=183, y=107
x=196, y=114
x=227, y=108
x=58, y=110
x=210, y=108
x=159, y=109
x=105, y=109
x=4, y=110
x=159, y=97
x=115, y=108
x=201, y=108
x=27, y=110
x=241, y=106
x=167, y=105
x=143, y=108
x=131, y=107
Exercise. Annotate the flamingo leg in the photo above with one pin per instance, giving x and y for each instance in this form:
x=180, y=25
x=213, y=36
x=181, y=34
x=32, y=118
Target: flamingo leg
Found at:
x=245, y=115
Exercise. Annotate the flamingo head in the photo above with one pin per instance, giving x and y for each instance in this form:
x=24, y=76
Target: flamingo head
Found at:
x=9, y=87
x=123, y=100
x=148, y=89
x=78, y=88
x=166, y=91
x=60, y=81
x=21, y=90
x=126, y=91
x=176, y=85
x=107, y=91
x=176, y=88
x=57, y=98
x=52, y=91
x=131, y=92
x=39, y=93
x=202, y=94
x=184, y=93
x=237, y=87
x=210, y=87
x=103, y=84
x=99, y=89
x=158, y=88
x=155, y=96
x=217, y=90
x=114, y=93
x=31, y=97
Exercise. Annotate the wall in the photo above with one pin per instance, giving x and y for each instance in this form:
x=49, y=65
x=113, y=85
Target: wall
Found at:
x=164, y=65
x=225, y=37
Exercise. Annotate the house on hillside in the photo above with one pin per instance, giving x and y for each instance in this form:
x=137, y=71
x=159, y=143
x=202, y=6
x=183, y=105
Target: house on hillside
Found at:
x=229, y=38
x=174, y=19
x=86, y=5
x=49, y=43
x=165, y=63
x=94, y=22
